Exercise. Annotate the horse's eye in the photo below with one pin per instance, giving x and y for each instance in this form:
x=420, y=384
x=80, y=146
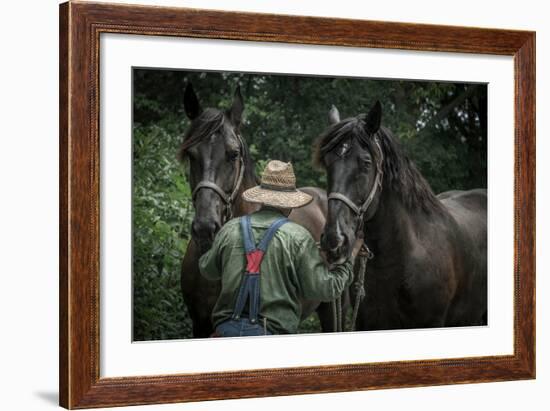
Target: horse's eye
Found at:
x=232, y=156
x=366, y=162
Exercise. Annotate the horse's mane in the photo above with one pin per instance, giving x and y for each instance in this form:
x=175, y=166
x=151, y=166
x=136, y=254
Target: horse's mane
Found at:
x=249, y=166
x=209, y=122
x=400, y=173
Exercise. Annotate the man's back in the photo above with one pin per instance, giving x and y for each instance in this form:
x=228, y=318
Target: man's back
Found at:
x=291, y=270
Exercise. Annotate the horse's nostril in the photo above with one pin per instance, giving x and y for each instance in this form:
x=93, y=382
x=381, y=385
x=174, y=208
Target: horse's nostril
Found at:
x=194, y=230
x=335, y=241
x=331, y=242
x=204, y=229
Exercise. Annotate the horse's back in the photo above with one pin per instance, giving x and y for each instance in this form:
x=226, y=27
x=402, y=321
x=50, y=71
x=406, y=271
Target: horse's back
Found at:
x=469, y=198
x=469, y=210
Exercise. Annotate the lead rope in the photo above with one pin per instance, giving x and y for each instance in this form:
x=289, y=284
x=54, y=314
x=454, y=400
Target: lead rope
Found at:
x=340, y=314
x=334, y=315
x=336, y=305
x=364, y=255
x=338, y=321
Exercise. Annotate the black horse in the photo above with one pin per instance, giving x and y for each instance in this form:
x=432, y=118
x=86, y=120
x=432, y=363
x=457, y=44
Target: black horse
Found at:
x=220, y=169
x=430, y=252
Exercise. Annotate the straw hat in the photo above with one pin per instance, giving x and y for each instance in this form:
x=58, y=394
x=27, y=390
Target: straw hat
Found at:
x=277, y=188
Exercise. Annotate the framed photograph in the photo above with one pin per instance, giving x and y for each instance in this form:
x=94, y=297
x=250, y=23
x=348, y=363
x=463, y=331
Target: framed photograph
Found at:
x=257, y=205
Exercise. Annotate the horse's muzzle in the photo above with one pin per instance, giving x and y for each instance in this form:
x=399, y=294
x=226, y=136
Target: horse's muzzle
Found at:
x=203, y=232
x=335, y=250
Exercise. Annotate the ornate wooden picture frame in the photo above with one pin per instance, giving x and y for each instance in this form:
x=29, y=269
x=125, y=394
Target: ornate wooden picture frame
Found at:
x=80, y=27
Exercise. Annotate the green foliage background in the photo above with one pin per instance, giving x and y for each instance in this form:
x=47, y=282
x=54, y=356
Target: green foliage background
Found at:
x=442, y=126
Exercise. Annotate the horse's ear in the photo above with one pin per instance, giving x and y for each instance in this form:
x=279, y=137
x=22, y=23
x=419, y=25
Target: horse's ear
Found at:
x=191, y=102
x=373, y=119
x=237, y=108
x=333, y=115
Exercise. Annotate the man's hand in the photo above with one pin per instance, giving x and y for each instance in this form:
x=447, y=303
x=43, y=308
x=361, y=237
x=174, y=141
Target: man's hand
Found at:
x=322, y=253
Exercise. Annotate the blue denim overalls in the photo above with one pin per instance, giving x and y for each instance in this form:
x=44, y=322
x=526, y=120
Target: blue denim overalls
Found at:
x=239, y=326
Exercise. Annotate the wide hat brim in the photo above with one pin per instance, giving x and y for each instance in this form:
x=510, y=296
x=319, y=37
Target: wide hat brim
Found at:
x=276, y=198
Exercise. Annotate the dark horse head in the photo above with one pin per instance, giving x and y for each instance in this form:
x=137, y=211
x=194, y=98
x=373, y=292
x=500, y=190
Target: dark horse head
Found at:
x=217, y=158
x=364, y=163
x=351, y=155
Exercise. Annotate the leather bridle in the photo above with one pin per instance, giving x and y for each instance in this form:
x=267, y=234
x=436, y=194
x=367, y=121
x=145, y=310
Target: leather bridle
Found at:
x=228, y=199
x=360, y=211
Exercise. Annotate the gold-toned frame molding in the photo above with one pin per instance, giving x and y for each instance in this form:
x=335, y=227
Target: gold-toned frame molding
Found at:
x=80, y=27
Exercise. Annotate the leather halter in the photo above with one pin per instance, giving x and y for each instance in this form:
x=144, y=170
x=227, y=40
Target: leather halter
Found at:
x=360, y=211
x=228, y=199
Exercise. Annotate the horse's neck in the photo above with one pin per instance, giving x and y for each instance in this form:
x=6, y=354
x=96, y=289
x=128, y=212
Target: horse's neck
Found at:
x=388, y=232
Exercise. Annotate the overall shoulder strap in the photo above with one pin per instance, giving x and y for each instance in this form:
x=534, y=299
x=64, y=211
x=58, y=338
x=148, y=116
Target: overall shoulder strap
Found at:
x=248, y=237
x=250, y=285
x=270, y=233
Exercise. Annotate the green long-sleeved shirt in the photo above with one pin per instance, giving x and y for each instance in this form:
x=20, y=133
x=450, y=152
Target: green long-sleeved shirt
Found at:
x=292, y=270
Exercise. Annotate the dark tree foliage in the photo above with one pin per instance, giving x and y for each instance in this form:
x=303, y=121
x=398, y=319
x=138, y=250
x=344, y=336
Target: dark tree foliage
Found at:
x=442, y=126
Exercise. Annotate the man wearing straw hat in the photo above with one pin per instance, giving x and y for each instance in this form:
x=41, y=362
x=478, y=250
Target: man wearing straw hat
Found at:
x=283, y=254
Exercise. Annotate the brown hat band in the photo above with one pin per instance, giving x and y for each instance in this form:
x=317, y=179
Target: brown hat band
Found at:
x=277, y=188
